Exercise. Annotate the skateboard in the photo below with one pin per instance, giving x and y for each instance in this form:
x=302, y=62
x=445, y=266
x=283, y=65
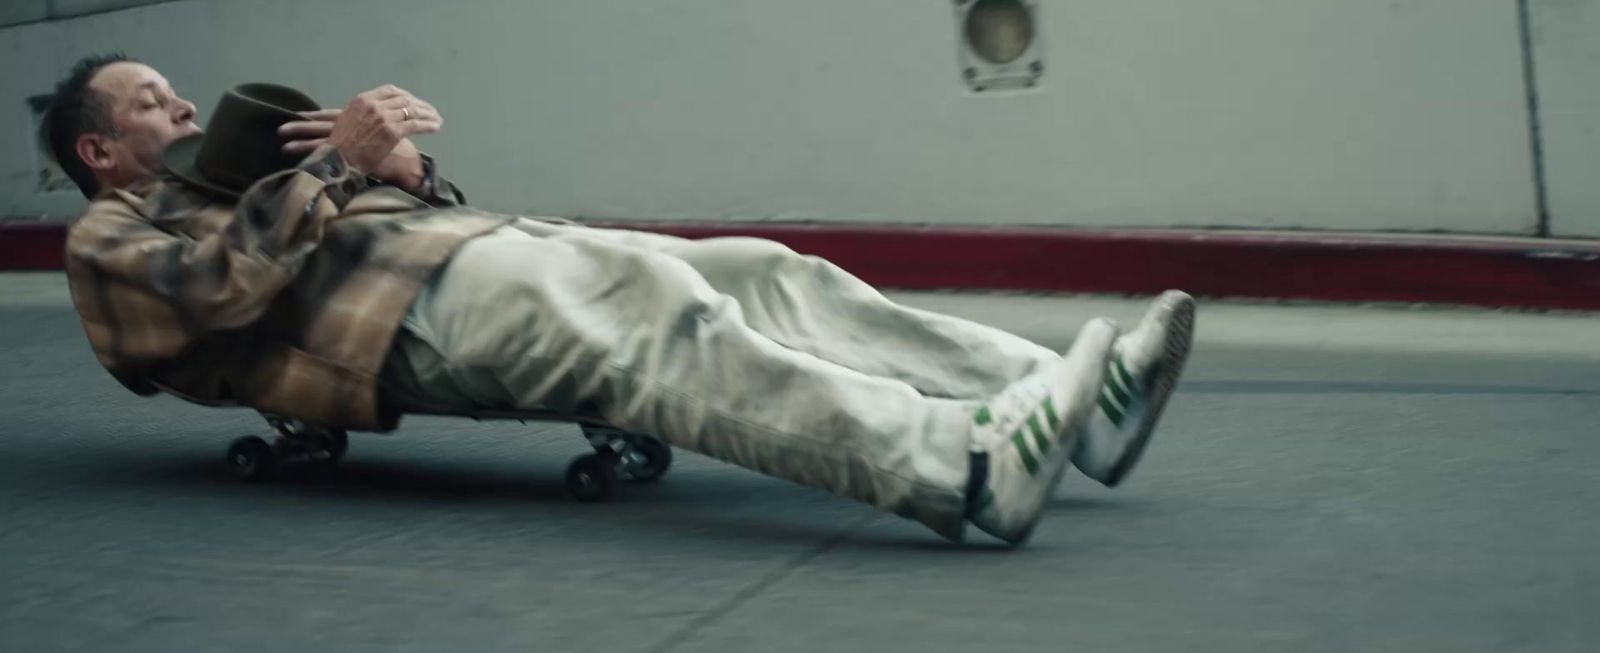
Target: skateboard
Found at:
x=589, y=477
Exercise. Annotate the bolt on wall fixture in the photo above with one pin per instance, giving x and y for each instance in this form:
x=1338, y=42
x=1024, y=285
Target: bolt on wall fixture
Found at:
x=1001, y=47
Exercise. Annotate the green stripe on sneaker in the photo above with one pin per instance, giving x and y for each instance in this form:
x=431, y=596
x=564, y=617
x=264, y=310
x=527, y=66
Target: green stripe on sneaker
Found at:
x=1123, y=399
x=1112, y=412
x=1039, y=434
x=1028, y=460
x=1127, y=379
x=1050, y=415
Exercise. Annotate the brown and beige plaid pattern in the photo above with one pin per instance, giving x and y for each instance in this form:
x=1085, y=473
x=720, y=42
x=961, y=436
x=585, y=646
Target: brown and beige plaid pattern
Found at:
x=285, y=301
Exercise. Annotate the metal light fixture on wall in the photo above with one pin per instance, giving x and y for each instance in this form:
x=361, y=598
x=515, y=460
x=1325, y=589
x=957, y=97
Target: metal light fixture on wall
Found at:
x=1001, y=46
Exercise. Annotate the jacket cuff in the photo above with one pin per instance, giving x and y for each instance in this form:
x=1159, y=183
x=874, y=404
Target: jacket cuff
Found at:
x=342, y=181
x=435, y=190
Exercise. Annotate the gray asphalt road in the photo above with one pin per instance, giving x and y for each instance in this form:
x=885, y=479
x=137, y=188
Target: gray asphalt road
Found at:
x=1329, y=479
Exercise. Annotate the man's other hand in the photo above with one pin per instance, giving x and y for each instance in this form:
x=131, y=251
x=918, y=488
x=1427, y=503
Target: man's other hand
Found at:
x=373, y=133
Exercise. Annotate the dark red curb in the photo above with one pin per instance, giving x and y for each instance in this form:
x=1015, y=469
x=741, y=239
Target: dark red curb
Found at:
x=32, y=244
x=1511, y=272
x=1436, y=269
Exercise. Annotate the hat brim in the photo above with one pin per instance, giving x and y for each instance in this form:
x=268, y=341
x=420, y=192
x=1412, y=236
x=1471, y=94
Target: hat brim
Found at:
x=180, y=157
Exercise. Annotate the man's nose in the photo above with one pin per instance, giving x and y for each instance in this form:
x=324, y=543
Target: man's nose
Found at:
x=186, y=111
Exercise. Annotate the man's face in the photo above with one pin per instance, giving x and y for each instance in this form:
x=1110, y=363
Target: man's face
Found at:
x=148, y=116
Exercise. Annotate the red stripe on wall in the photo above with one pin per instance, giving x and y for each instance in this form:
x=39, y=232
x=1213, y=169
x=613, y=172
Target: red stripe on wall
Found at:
x=1439, y=269
x=32, y=244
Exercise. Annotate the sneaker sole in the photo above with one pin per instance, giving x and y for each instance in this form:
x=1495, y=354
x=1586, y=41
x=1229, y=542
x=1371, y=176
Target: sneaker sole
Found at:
x=1174, y=357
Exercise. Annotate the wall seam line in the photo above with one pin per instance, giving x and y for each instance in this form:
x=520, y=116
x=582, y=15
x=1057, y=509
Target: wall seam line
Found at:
x=1530, y=87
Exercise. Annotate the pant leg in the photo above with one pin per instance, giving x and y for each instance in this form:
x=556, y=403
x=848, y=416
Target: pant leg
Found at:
x=564, y=320
x=811, y=305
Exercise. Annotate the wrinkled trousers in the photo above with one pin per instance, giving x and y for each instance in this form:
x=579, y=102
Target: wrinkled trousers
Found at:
x=735, y=348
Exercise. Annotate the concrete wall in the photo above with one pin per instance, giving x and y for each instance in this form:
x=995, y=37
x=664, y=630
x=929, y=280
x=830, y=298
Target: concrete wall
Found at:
x=1566, y=46
x=18, y=12
x=1356, y=114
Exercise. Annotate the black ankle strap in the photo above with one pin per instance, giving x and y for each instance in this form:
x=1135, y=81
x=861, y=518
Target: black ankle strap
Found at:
x=977, y=481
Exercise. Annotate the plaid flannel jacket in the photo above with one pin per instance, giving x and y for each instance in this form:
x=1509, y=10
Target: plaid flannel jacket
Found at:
x=286, y=301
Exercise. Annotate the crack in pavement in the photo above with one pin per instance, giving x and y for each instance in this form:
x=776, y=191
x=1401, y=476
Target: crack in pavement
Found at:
x=677, y=637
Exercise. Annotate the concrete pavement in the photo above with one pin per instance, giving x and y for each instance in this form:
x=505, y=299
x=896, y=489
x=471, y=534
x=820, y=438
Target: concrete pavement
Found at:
x=1328, y=479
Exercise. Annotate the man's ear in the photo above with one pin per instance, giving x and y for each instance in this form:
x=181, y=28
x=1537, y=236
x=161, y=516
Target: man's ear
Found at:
x=91, y=148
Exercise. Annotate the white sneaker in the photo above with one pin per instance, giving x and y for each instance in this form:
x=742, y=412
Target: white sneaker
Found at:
x=1028, y=432
x=1145, y=365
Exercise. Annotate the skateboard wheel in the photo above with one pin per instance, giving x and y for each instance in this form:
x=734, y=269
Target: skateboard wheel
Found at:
x=335, y=443
x=591, y=478
x=648, y=459
x=251, y=459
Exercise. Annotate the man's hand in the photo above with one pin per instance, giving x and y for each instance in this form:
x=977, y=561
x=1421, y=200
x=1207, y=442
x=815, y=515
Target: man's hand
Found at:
x=373, y=133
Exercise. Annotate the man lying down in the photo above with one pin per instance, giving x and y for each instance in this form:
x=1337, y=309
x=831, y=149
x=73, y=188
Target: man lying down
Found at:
x=312, y=263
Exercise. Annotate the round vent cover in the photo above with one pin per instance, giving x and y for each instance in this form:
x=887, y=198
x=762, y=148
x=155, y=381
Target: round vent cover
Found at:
x=999, y=31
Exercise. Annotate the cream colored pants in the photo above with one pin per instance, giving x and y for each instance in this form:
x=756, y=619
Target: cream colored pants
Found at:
x=736, y=348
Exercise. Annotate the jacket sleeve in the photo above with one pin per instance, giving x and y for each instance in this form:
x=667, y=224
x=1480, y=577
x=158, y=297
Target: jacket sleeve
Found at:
x=436, y=190
x=225, y=279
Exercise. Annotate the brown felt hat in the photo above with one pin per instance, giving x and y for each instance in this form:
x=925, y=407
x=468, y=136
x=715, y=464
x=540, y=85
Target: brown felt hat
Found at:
x=241, y=142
